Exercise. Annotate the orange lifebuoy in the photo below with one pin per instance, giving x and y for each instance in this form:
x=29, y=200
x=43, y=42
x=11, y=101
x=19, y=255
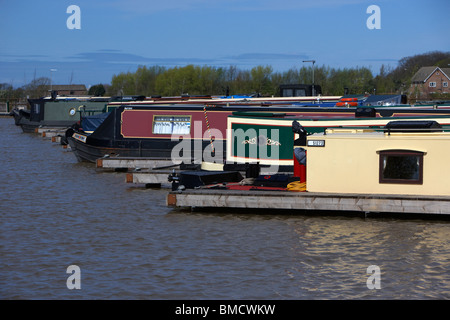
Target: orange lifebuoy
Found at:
x=346, y=104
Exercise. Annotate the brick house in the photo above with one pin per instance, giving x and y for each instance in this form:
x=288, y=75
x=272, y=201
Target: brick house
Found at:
x=429, y=83
x=70, y=89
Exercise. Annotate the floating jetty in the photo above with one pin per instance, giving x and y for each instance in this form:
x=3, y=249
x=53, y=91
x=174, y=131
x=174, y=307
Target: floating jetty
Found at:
x=50, y=132
x=121, y=163
x=150, y=178
x=148, y=171
x=309, y=201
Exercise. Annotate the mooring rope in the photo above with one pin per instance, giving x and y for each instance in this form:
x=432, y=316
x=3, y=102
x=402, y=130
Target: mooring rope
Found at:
x=297, y=186
x=209, y=130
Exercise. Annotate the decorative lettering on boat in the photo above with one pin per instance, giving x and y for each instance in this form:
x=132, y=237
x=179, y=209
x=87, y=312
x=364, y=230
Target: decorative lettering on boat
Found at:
x=261, y=140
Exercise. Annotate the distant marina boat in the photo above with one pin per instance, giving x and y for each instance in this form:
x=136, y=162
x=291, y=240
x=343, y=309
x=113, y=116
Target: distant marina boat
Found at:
x=65, y=111
x=58, y=112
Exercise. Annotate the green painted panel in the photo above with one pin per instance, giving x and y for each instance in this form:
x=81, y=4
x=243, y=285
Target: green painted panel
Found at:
x=61, y=110
x=255, y=141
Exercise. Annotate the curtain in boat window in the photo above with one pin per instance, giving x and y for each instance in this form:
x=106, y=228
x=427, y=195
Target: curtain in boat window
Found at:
x=171, y=125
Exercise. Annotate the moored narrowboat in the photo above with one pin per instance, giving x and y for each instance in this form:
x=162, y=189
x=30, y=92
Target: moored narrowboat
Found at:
x=404, y=158
x=270, y=140
x=59, y=112
x=195, y=131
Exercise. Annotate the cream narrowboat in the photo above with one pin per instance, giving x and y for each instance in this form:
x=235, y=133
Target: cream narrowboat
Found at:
x=397, y=161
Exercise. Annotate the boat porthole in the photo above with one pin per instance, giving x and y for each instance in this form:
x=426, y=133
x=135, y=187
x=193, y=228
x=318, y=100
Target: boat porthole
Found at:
x=72, y=111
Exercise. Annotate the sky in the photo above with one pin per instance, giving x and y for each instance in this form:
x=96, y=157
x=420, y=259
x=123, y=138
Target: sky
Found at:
x=46, y=38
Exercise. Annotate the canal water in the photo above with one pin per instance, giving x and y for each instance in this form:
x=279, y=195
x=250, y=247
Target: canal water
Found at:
x=127, y=244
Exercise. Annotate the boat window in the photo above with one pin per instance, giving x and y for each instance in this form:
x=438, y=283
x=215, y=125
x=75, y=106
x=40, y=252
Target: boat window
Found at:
x=288, y=92
x=401, y=166
x=300, y=92
x=171, y=124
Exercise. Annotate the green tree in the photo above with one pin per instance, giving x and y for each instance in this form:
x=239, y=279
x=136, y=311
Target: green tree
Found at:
x=175, y=81
x=97, y=90
x=123, y=84
x=383, y=82
x=260, y=77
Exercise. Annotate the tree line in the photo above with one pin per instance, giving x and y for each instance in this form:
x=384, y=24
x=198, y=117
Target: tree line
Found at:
x=210, y=80
x=263, y=80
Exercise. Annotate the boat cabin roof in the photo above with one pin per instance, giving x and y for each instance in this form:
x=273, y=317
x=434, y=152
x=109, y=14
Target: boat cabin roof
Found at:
x=368, y=133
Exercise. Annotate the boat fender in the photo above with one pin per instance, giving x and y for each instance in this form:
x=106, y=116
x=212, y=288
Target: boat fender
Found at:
x=175, y=179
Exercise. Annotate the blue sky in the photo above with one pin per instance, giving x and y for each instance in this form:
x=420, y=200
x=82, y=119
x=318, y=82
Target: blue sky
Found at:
x=118, y=36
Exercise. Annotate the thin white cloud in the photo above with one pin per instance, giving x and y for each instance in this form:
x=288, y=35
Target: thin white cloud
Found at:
x=268, y=56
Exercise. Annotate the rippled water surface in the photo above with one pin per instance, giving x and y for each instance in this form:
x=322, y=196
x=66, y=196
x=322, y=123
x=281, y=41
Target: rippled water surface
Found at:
x=56, y=212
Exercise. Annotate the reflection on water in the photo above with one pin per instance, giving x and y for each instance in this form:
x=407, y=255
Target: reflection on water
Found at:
x=56, y=212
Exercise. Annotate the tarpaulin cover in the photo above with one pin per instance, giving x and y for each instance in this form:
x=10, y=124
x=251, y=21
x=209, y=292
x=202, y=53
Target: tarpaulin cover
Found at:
x=90, y=123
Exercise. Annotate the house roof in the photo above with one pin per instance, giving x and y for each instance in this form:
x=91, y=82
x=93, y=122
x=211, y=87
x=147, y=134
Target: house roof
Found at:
x=425, y=72
x=72, y=87
x=446, y=72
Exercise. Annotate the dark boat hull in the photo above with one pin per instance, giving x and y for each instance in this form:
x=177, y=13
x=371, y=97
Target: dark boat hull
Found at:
x=161, y=149
x=18, y=115
x=31, y=126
